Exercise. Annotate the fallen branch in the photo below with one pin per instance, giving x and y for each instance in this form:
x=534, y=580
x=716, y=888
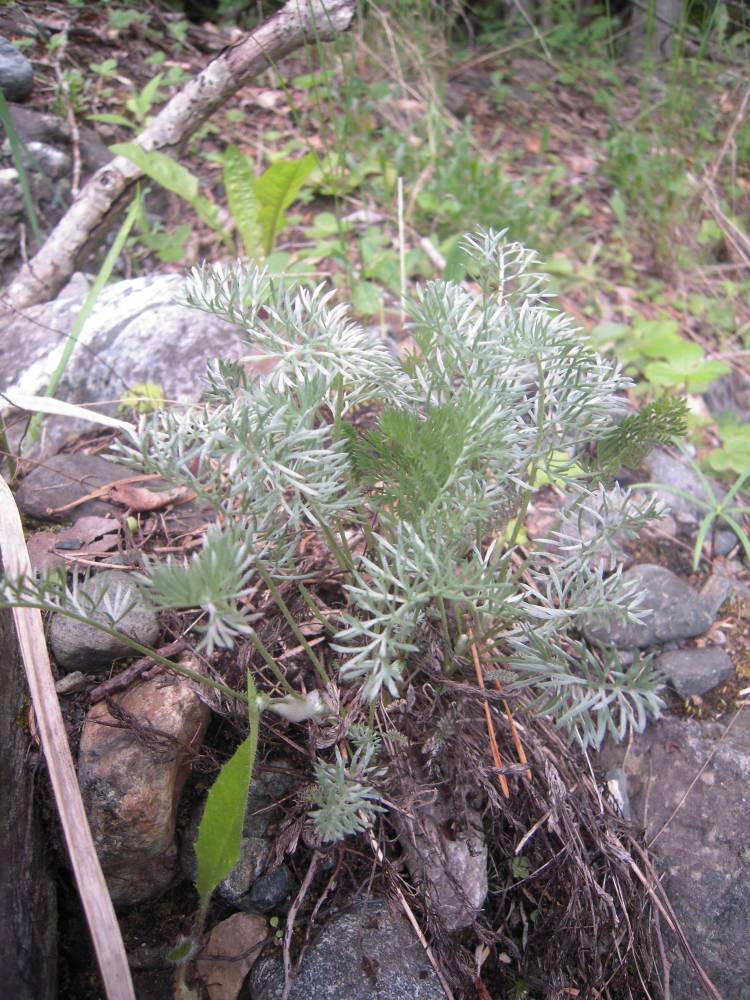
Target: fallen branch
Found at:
x=89, y=217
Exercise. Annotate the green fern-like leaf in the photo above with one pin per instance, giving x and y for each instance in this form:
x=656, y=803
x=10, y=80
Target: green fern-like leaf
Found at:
x=634, y=437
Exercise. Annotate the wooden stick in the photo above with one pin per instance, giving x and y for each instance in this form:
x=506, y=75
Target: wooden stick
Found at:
x=92, y=888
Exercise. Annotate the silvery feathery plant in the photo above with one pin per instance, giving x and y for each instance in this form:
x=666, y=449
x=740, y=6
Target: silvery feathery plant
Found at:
x=428, y=464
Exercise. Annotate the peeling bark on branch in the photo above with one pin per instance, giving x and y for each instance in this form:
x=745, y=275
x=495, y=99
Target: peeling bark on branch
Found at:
x=298, y=22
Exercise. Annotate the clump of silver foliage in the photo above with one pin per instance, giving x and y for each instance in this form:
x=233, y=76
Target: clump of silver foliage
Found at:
x=501, y=393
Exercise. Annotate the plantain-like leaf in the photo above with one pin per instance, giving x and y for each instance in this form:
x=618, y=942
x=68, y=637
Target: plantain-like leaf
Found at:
x=244, y=205
x=219, y=841
x=276, y=189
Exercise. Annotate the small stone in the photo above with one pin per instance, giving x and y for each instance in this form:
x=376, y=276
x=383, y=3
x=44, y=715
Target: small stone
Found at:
x=131, y=776
x=50, y=161
x=233, y=946
x=663, y=468
x=11, y=200
x=676, y=612
x=450, y=868
x=72, y=683
x=688, y=786
x=270, y=891
x=695, y=671
x=78, y=646
x=368, y=952
x=16, y=72
x=717, y=589
x=62, y=479
x=724, y=542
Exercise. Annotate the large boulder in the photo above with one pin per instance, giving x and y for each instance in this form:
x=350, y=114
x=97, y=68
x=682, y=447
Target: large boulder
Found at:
x=367, y=952
x=138, y=332
x=689, y=786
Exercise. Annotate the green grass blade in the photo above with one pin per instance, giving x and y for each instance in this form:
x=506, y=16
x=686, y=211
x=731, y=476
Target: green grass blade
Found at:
x=736, y=486
x=697, y=501
x=740, y=533
x=16, y=151
x=100, y=281
x=701, y=538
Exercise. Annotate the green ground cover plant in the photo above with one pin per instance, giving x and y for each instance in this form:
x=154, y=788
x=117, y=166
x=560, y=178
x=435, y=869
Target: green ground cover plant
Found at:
x=500, y=391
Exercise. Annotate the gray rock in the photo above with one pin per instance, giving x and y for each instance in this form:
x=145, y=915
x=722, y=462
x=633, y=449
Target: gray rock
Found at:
x=664, y=468
x=724, y=542
x=16, y=72
x=701, y=841
x=730, y=394
x=77, y=646
x=718, y=588
x=368, y=952
x=47, y=159
x=676, y=612
x=270, y=891
x=450, y=870
x=36, y=126
x=61, y=480
x=131, y=776
x=137, y=333
x=695, y=671
x=267, y=789
x=11, y=201
x=11, y=210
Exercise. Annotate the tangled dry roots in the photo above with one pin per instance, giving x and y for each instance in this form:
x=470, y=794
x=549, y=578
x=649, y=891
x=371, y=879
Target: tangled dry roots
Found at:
x=567, y=914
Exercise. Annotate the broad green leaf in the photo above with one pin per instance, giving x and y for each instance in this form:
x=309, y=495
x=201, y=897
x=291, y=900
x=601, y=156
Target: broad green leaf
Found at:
x=656, y=327
x=366, y=298
x=182, y=951
x=607, y=332
x=664, y=373
x=455, y=259
x=141, y=102
x=172, y=176
x=209, y=212
x=160, y=168
x=324, y=224
x=278, y=262
x=675, y=349
x=276, y=189
x=705, y=374
x=239, y=183
x=219, y=841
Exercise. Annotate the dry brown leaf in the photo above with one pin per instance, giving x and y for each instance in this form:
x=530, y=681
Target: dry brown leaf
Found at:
x=140, y=498
x=88, y=536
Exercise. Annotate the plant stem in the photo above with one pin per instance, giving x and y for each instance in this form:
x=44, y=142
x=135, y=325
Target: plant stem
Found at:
x=318, y=614
x=272, y=664
x=444, y=626
x=137, y=646
x=299, y=634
